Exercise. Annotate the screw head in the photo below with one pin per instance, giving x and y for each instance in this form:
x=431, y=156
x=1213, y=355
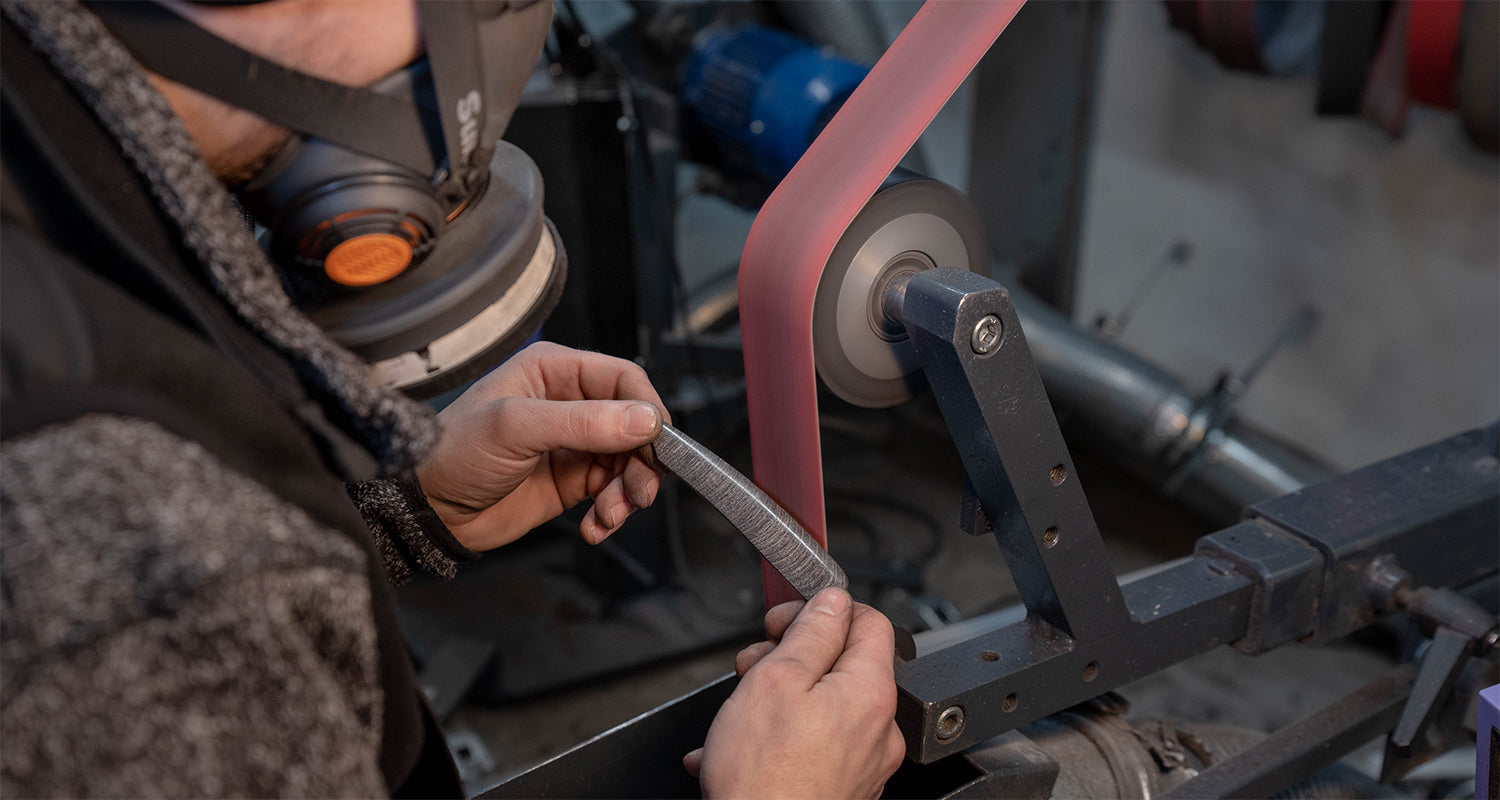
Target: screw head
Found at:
x=950, y=723
x=987, y=334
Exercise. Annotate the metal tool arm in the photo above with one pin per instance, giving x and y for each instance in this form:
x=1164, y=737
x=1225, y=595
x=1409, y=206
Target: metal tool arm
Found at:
x=1298, y=568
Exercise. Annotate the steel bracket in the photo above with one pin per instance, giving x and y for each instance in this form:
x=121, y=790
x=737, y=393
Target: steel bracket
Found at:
x=1299, y=569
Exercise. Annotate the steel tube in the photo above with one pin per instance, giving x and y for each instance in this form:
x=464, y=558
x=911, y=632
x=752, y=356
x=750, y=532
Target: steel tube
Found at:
x=1142, y=413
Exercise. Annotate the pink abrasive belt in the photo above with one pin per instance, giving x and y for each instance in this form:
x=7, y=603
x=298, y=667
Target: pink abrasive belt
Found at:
x=798, y=227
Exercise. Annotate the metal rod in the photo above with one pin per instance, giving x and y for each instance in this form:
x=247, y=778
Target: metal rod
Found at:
x=1293, y=753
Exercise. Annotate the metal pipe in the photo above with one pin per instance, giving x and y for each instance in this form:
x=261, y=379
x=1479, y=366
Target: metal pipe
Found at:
x=1146, y=419
x=1243, y=466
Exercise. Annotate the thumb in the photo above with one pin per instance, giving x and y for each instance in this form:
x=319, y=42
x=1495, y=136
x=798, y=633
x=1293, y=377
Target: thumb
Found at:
x=693, y=762
x=590, y=426
x=812, y=644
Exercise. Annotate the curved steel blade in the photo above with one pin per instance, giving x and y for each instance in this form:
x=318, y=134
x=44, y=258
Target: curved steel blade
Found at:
x=774, y=532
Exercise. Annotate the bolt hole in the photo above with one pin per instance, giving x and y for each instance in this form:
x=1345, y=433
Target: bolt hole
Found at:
x=1049, y=539
x=1059, y=474
x=1090, y=672
x=989, y=655
x=1010, y=703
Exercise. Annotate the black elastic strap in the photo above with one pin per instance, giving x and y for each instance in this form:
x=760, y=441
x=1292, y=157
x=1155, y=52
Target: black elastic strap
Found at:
x=451, y=32
x=385, y=127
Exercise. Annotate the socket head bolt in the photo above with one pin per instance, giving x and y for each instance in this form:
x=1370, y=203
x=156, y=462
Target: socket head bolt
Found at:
x=988, y=332
x=950, y=723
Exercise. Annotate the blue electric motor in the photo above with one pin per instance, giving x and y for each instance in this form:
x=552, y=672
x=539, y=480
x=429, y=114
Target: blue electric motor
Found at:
x=763, y=95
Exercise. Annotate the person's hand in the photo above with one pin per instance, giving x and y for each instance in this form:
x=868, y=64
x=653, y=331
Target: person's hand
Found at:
x=546, y=430
x=813, y=716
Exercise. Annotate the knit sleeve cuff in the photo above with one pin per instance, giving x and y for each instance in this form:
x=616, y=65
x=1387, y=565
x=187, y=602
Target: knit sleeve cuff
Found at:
x=408, y=533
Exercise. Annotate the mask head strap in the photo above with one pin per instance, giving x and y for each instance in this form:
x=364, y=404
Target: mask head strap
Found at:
x=178, y=50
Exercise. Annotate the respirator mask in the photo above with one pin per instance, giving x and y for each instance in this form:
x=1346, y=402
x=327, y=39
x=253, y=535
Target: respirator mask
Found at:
x=399, y=222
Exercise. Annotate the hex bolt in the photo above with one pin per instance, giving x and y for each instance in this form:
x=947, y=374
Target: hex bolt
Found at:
x=987, y=334
x=950, y=723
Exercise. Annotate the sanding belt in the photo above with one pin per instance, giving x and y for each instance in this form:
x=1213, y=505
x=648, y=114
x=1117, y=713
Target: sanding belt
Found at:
x=799, y=225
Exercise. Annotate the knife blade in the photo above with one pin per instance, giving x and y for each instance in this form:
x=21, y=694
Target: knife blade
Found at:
x=784, y=543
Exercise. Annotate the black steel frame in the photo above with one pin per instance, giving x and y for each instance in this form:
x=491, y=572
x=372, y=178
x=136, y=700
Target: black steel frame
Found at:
x=1300, y=567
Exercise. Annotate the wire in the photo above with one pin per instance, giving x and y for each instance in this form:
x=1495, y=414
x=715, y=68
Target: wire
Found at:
x=934, y=528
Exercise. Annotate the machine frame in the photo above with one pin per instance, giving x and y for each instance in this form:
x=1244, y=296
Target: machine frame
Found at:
x=1311, y=566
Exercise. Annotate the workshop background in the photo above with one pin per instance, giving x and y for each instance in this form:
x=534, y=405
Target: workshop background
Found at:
x=1326, y=265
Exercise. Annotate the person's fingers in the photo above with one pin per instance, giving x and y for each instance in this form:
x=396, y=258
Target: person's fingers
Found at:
x=599, y=473
x=813, y=642
x=641, y=482
x=693, y=762
x=750, y=656
x=577, y=375
x=780, y=617
x=526, y=426
x=870, y=644
x=591, y=529
x=608, y=513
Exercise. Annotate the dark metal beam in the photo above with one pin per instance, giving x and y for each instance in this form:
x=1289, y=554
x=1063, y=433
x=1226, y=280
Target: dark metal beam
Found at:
x=975, y=357
x=1293, y=753
x=1403, y=510
x=1433, y=510
x=639, y=758
x=1026, y=671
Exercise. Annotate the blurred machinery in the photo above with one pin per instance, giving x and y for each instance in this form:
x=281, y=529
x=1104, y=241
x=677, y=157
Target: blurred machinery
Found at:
x=638, y=106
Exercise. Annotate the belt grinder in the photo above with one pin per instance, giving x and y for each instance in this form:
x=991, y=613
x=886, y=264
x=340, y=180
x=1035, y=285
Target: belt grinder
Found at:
x=1299, y=568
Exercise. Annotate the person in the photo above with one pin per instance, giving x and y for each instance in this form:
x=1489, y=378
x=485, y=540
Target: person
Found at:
x=192, y=602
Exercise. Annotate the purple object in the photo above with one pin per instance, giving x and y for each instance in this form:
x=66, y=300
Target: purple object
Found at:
x=1487, y=754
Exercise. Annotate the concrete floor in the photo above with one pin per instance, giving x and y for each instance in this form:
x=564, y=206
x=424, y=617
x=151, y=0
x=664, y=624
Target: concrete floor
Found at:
x=1395, y=243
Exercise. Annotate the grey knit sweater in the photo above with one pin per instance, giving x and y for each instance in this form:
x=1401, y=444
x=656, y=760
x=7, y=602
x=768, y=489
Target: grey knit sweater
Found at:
x=201, y=637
